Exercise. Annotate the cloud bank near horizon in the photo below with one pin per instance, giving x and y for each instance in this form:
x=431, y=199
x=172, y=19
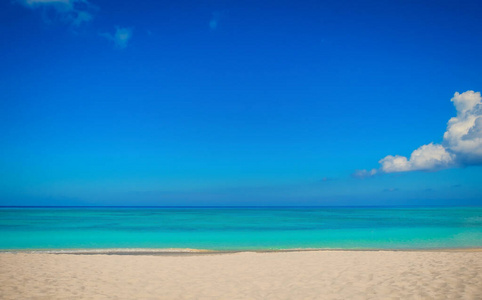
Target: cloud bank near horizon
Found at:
x=461, y=145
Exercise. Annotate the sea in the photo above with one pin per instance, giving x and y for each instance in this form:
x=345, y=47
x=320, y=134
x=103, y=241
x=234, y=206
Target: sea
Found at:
x=240, y=228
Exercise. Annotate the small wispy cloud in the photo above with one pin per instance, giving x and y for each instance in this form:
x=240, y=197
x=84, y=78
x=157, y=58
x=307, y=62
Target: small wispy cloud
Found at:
x=461, y=145
x=74, y=12
x=120, y=38
x=215, y=19
x=213, y=24
x=364, y=173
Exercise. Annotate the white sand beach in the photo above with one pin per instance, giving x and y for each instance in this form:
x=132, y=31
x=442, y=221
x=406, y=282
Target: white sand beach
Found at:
x=244, y=275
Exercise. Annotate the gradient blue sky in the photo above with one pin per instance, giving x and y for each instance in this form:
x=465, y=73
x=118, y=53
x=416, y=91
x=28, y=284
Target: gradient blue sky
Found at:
x=232, y=102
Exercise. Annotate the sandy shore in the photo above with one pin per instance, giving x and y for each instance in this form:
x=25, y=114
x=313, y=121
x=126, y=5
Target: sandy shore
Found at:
x=244, y=275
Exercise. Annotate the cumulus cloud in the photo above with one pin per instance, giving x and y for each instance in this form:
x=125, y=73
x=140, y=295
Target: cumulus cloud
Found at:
x=461, y=145
x=120, y=38
x=74, y=12
x=426, y=157
x=464, y=132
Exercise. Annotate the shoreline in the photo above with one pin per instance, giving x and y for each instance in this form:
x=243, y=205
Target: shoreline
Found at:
x=191, y=251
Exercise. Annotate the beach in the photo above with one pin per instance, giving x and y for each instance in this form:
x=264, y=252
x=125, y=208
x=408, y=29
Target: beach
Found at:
x=327, y=274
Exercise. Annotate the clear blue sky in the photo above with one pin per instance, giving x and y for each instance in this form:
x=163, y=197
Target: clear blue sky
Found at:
x=232, y=102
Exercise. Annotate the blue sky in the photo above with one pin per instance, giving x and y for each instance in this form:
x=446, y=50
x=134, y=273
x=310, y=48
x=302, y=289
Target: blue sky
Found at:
x=240, y=102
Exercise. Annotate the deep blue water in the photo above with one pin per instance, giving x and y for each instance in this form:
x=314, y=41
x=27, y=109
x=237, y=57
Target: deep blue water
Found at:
x=241, y=228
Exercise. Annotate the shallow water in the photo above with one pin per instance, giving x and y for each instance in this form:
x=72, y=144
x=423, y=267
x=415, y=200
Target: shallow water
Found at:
x=241, y=228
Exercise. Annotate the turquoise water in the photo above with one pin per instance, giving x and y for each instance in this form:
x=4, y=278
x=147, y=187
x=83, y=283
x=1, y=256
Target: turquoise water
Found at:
x=241, y=228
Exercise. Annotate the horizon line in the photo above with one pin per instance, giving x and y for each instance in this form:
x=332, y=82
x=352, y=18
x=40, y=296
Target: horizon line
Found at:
x=230, y=206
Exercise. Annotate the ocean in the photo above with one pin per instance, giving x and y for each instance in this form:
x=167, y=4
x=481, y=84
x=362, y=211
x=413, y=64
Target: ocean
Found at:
x=240, y=228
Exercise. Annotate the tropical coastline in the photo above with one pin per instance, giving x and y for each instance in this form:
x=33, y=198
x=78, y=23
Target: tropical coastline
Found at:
x=250, y=253
x=204, y=150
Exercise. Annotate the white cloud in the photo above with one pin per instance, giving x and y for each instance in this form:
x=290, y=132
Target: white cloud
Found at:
x=461, y=146
x=120, y=38
x=74, y=12
x=426, y=157
x=464, y=132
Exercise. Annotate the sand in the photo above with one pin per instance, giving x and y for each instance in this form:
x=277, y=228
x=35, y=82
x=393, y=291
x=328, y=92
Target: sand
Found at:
x=244, y=275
